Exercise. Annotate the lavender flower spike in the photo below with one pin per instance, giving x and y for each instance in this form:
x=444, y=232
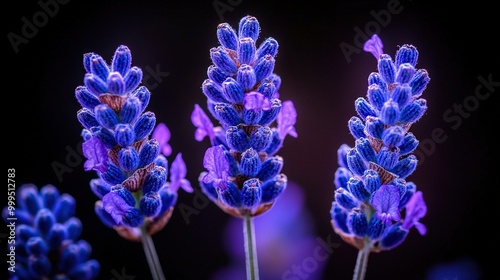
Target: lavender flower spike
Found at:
x=372, y=179
x=243, y=173
x=125, y=147
x=47, y=244
x=242, y=96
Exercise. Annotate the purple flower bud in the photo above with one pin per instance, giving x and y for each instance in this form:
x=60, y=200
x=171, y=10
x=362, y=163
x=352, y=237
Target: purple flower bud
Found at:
x=342, y=152
x=414, y=111
x=104, y=216
x=86, y=98
x=99, y=67
x=389, y=114
x=144, y=125
x=70, y=257
x=213, y=91
x=268, y=47
x=251, y=116
x=37, y=246
x=150, y=204
x=232, y=90
x=364, y=109
x=341, y=177
x=355, y=163
x=376, y=78
x=215, y=74
x=356, y=127
x=339, y=218
x=250, y=163
x=387, y=158
x=128, y=158
x=357, y=223
x=132, y=218
x=267, y=88
x=121, y=60
x=86, y=61
x=230, y=195
x=409, y=189
x=148, y=153
x=56, y=235
x=405, y=166
x=132, y=79
x=116, y=84
x=94, y=84
x=376, y=96
x=405, y=73
x=251, y=193
x=227, y=36
x=374, y=127
x=246, y=50
x=270, y=168
x=132, y=108
x=87, y=118
x=371, y=180
x=113, y=175
x=345, y=199
x=106, y=116
x=268, y=116
x=237, y=139
x=124, y=193
x=227, y=114
x=234, y=166
x=394, y=237
x=276, y=143
x=144, y=95
x=261, y=138
x=365, y=150
x=64, y=208
x=208, y=188
x=376, y=228
x=73, y=228
x=49, y=195
x=105, y=136
x=168, y=199
x=408, y=145
x=386, y=68
x=271, y=189
x=249, y=27
x=419, y=82
x=124, y=135
x=155, y=179
x=402, y=95
x=358, y=189
x=264, y=67
x=223, y=61
x=407, y=54
x=393, y=136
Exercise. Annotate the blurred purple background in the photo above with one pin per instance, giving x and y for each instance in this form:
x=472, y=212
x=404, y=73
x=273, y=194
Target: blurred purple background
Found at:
x=170, y=41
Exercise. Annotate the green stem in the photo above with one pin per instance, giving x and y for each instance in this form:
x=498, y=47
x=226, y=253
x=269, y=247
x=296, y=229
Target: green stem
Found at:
x=151, y=255
x=250, y=249
x=361, y=263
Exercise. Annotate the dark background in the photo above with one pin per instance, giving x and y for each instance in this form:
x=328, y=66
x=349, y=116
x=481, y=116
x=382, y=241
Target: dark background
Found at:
x=457, y=44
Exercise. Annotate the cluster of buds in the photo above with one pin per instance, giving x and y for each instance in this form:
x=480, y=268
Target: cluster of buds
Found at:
x=371, y=183
x=243, y=173
x=131, y=165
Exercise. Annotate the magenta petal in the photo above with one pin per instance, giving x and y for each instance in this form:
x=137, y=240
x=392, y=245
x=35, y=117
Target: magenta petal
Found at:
x=115, y=206
x=286, y=120
x=162, y=134
x=178, y=173
x=204, y=126
x=256, y=101
x=374, y=46
x=96, y=154
x=386, y=203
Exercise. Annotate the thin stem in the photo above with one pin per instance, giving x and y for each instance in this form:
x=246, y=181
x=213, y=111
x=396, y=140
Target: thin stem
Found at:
x=151, y=255
x=361, y=263
x=250, y=249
